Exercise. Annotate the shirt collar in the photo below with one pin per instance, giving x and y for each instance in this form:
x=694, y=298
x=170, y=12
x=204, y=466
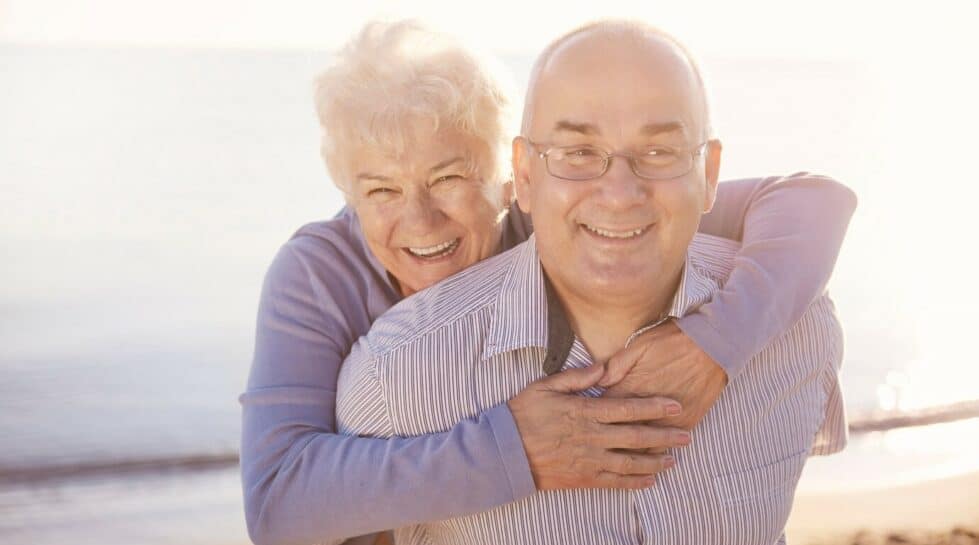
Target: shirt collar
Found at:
x=520, y=319
x=695, y=289
x=525, y=317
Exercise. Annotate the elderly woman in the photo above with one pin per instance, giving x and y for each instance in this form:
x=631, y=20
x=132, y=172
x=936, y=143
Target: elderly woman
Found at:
x=415, y=134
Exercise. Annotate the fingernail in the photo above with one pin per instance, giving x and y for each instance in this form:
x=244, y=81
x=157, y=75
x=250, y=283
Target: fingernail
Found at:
x=669, y=461
x=673, y=409
x=649, y=482
x=682, y=438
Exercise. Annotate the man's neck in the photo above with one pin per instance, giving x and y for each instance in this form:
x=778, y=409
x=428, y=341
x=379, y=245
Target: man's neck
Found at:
x=605, y=324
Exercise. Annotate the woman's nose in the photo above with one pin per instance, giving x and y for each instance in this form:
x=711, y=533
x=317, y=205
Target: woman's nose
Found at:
x=422, y=214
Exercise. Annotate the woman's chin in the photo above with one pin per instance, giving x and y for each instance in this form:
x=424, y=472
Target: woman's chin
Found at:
x=428, y=274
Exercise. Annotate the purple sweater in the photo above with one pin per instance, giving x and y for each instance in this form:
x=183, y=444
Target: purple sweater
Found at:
x=305, y=484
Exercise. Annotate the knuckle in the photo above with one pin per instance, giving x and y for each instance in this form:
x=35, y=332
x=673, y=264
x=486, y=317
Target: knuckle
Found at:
x=639, y=437
x=580, y=409
x=626, y=465
x=610, y=413
x=630, y=411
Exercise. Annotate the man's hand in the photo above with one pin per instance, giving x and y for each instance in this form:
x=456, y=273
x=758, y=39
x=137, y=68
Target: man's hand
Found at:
x=573, y=441
x=665, y=362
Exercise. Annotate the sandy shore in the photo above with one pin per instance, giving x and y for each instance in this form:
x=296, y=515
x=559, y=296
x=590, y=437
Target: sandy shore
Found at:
x=942, y=511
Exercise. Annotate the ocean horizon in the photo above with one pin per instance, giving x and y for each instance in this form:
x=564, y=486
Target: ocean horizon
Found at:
x=147, y=190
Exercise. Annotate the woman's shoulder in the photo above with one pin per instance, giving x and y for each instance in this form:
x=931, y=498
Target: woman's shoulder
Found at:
x=326, y=237
x=331, y=258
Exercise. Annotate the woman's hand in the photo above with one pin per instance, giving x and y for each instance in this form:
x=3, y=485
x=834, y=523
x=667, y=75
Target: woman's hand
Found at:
x=666, y=362
x=573, y=441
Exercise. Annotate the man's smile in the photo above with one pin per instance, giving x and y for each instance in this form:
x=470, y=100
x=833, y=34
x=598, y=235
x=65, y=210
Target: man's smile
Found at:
x=616, y=233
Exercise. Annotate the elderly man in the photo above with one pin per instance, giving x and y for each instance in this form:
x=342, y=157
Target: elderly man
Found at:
x=615, y=165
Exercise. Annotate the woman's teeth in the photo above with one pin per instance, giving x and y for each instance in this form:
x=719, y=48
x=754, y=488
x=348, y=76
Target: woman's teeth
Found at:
x=438, y=250
x=614, y=234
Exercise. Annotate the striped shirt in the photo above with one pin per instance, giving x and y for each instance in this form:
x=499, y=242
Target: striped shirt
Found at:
x=476, y=339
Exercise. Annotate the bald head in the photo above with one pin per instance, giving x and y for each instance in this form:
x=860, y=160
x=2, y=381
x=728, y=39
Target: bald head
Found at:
x=629, y=52
x=615, y=167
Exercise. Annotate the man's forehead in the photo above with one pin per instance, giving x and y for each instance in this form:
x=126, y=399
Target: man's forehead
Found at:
x=649, y=128
x=647, y=80
x=605, y=109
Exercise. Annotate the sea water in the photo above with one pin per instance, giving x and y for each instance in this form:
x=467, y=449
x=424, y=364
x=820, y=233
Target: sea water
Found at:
x=144, y=192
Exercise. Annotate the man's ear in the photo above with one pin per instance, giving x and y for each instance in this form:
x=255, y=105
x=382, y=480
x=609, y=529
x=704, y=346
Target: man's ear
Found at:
x=521, y=172
x=712, y=170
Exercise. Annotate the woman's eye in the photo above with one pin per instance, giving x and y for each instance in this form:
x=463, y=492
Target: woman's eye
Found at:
x=379, y=191
x=447, y=178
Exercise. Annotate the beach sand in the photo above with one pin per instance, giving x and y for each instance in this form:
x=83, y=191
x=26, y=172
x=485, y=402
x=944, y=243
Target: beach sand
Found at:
x=944, y=511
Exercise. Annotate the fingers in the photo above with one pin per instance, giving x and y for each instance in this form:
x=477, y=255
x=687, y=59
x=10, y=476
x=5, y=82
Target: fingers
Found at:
x=636, y=463
x=621, y=363
x=624, y=361
x=572, y=380
x=641, y=437
x=628, y=482
x=615, y=410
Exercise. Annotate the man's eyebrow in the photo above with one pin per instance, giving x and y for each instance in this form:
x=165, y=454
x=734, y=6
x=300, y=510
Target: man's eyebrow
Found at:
x=652, y=129
x=580, y=128
x=446, y=163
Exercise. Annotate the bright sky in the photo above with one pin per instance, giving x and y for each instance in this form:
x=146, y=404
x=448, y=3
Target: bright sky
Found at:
x=824, y=28
x=918, y=188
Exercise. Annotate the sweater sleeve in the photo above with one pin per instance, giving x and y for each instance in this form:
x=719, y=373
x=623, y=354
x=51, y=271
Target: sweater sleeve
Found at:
x=791, y=229
x=303, y=483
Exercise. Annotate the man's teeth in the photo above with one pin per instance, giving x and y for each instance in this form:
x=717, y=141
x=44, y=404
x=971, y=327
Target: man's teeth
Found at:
x=438, y=249
x=615, y=234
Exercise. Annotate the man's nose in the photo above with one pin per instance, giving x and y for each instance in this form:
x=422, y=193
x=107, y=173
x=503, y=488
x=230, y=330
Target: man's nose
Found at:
x=620, y=187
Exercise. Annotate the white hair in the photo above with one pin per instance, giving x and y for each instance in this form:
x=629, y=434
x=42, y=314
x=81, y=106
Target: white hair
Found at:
x=614, y=28
x=394, y=77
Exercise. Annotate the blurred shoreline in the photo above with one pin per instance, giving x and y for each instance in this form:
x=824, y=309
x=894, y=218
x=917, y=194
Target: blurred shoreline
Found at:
x=9, y=474
x=204, y=508
x=939, y=511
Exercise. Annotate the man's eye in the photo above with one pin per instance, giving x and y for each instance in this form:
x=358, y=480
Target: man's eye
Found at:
x=658, y=156
x=660, y=152
x=580, y=156
x=581, y=153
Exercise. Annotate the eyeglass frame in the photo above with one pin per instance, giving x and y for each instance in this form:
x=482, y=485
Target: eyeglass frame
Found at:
x=699, y=149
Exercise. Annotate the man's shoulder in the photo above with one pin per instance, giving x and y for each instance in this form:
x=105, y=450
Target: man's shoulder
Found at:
x=442, y=305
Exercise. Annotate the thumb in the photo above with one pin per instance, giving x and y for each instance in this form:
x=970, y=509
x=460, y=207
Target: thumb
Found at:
x=621, y=364
x=573, y=380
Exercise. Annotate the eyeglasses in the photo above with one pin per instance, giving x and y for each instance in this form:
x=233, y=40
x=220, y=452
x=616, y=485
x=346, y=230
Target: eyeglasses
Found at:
x=585, y=162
